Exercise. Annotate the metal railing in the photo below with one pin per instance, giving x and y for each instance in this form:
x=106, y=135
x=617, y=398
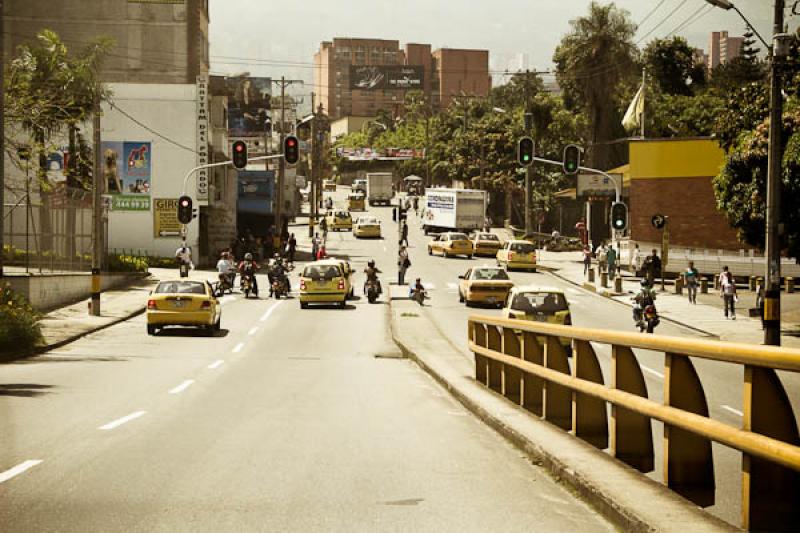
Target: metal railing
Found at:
x=527, y=363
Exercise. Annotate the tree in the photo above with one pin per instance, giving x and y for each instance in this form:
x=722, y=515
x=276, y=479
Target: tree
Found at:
x=670, y=63
x=592, y=61
x=671, y=115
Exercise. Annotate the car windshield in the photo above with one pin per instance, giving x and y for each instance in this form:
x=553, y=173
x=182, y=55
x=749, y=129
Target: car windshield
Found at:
x=322, y=272
x=539, y=302
x=343, y=214
x=523, y=247
x=458, y=237
x=181, y=287
x=368, y=221
x=490, y=274
x=488, y=237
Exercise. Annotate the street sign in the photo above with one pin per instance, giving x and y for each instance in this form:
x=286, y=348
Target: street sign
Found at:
x=658, y=221
x=165, y=218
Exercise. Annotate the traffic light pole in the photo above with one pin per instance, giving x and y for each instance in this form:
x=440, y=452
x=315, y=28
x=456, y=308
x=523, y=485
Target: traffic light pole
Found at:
x=617, y=183
x=223, y=164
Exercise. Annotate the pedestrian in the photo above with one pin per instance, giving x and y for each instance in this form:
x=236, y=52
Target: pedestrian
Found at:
x=652, y=267
x=760, y=299
x=402, y=265
x=611, y=262
x=690, y=277
x=404, y=234
x=487, y=224
x=727, y=291
x=587, y=259
x=635, y=260
x=315, y=241
x=323, y=225
x=601, y=253
x=291, y=247
x=321, y=252
x=416, y=205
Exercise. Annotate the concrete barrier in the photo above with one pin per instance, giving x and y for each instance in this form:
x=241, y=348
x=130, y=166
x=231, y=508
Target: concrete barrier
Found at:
x=49, y=291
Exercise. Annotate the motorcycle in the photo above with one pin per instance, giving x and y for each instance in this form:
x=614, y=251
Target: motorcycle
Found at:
x=226, y=282
x=184, y=268
x=373, y=290
x=649, y=319
x=419, y=296
x=279, y=287
x=248, y=284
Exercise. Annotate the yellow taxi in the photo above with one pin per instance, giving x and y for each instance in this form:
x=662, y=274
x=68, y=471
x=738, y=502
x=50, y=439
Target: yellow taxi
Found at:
x=450, y=244
x=348, y=274
x=517, y=254
x=183, y=303
x=486, y=244
x=324, y=282
x=541, y=304
x=485, y=284
x=367, y=227
x=329, y=185
x=339, y=221
x=356, y=202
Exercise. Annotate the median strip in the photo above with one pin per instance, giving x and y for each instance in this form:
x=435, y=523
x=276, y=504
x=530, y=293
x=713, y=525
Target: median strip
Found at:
x=182, y=387
x=17, y=470
x=125, y=419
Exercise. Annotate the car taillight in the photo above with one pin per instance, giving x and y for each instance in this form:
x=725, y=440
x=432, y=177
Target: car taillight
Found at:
x=205, y=305
x=341, y=284
x=302, y=284
x=510, y=256
x=151, y=304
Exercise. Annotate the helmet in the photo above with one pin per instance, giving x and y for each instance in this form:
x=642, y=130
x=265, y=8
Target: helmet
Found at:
x=371, y=263
x=644, y=283
x=248, y=257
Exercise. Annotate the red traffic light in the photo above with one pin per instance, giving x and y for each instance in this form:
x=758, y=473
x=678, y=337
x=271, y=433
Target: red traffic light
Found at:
x=291, y=150
x=290, y=142
x=185, y=202
x=240, y=154
x=239, y=147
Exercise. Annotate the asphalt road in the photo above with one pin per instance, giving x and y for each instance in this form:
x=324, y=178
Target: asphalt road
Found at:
x=289, y=420
x=723, y=383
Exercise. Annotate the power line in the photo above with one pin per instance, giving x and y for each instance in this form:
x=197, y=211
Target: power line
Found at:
x=148, y=128
x=694, y=17
x=650, y=14
x=654, y=28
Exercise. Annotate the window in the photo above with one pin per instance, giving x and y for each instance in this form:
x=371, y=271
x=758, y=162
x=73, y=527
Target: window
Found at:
x=181, y=287
x=539, y=302
x=523, y=247
x=490, y=274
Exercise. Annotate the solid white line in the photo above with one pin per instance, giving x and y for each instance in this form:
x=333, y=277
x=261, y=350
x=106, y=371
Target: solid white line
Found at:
x=654, y=372
x=123, y=420
x=182, y=387
x=269, y=311
x=17, y=470
x=238, y=347
x=253, y=330
x=216, y=364
x=732, y=410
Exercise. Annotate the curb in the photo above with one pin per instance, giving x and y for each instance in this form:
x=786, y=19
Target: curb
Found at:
x=589, y=287
x=63, y=342
x=624, y=517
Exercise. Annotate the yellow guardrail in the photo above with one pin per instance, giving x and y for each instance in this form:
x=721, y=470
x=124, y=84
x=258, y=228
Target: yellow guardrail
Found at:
x=528, y=363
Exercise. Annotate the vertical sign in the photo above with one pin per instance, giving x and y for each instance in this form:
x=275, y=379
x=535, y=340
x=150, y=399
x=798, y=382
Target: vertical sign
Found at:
x=202, y=139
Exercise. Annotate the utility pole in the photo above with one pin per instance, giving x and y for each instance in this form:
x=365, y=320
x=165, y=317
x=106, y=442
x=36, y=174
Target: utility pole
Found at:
x=312, y=191
x=2, y=140
x=772, y=292
x=283, y=83
x=529, y=182
x=97, y=215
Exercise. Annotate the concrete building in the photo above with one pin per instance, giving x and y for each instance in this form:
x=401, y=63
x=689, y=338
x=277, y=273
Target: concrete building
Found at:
x=722, y=48
x=155, y=41
x=358, y=77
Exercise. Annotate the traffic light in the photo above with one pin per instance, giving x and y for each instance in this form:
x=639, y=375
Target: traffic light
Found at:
x=239, y=154
x=619, y=216
x=525, y=149
x=291, y=150
x=185, y=213
x=572, y=159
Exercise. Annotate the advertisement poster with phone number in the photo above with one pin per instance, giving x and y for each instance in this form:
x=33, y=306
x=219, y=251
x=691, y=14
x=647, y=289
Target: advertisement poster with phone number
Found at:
x=127, y=167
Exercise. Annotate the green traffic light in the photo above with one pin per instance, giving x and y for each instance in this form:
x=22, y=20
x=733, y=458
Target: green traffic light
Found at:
x=525, y=157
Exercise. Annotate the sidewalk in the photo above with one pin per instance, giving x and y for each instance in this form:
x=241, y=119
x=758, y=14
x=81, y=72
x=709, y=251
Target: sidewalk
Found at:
x=629, y=499
x=706, y=316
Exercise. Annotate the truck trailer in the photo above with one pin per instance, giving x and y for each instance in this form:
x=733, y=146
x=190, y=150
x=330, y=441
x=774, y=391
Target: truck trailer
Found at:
x=454, y=210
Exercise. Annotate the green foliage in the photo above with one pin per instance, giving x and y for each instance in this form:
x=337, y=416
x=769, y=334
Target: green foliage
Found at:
x=19, y=323
x=681, y=115
x=128, y=263
x=670, y=62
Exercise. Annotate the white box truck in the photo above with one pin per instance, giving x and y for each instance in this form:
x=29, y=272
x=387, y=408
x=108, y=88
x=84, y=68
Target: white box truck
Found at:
x=379, y=188
x=454, y=210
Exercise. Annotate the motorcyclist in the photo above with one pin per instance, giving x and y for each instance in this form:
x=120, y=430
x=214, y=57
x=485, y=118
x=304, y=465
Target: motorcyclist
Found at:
x=372, y=276
x=418, y=292
x=646, y=296
x=183, y=256
x=248, y=268
x=277, y=271
x=226, y=269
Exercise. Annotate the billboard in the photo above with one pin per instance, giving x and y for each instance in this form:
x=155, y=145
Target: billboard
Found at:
x=165, y=218
x=596, y=185
x=127, y=167
x=383, y=154
x=386, y=77
x=248, y=105
x=256, y=190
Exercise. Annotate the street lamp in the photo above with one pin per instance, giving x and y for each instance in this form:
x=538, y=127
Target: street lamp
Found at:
x=772, y=252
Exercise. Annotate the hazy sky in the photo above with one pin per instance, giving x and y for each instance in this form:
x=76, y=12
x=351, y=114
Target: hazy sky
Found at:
x=280, y=38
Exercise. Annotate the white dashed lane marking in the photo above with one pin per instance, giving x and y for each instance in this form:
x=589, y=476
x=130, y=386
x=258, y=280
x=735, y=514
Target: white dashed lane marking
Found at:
x=238, y=347
x=732, y=410
x=125, y=419
x=216, y=364
x=17, y=470
x=182, y=387
x=653, y=372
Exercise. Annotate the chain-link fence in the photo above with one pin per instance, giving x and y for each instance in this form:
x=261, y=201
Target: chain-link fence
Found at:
x=51, y=233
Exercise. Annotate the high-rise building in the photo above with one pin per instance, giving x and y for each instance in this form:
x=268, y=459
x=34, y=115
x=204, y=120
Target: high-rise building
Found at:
x=154, y=41
x=359, y=77
x=722, y=48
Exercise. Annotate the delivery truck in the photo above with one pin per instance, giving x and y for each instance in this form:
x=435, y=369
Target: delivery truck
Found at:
x=379, y=188
x=454, y=210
